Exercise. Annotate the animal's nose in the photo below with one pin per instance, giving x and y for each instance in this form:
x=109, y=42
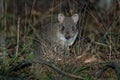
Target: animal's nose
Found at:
x=67, y=37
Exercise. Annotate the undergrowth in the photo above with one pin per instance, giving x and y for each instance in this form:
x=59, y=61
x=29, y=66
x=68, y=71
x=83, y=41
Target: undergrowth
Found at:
x=94, y=56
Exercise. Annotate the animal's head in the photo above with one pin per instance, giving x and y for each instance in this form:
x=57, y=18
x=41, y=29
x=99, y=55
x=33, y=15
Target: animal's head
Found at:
x=67, y=28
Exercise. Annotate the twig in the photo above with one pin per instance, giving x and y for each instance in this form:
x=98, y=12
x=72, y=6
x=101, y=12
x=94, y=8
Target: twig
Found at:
x=43, y=62
x=32, y=8
x=58, y=69
x=18, y=35
x=17, y=47
x=114, y=65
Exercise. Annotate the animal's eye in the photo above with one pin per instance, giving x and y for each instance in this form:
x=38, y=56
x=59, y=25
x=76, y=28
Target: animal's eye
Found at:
x=73, y=28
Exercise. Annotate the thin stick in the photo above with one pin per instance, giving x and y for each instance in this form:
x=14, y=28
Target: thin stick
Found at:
x=18, y=36
x=57, y=69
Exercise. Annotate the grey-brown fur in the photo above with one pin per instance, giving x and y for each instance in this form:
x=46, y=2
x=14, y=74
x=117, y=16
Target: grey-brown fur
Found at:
x=57, y=37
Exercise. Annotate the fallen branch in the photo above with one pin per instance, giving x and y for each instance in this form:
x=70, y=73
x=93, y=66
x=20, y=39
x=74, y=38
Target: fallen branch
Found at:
x=58, y=69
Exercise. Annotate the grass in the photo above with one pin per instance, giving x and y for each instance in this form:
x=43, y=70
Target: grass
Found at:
x=94, y=56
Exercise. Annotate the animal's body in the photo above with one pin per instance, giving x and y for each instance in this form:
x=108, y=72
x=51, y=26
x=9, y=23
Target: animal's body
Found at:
x=63, y=33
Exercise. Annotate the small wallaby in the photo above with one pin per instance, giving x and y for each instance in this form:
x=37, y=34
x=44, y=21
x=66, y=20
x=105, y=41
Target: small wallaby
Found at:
x=63, y=32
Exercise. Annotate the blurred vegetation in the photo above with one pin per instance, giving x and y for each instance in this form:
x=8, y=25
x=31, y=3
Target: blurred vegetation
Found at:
x=94, y=56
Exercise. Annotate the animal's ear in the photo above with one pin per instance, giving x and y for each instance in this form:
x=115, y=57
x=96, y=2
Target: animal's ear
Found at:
x=61, y=17
x=75, y=18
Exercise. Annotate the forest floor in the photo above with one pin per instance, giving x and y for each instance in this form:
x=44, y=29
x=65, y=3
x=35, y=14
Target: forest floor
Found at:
x=95, y=54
